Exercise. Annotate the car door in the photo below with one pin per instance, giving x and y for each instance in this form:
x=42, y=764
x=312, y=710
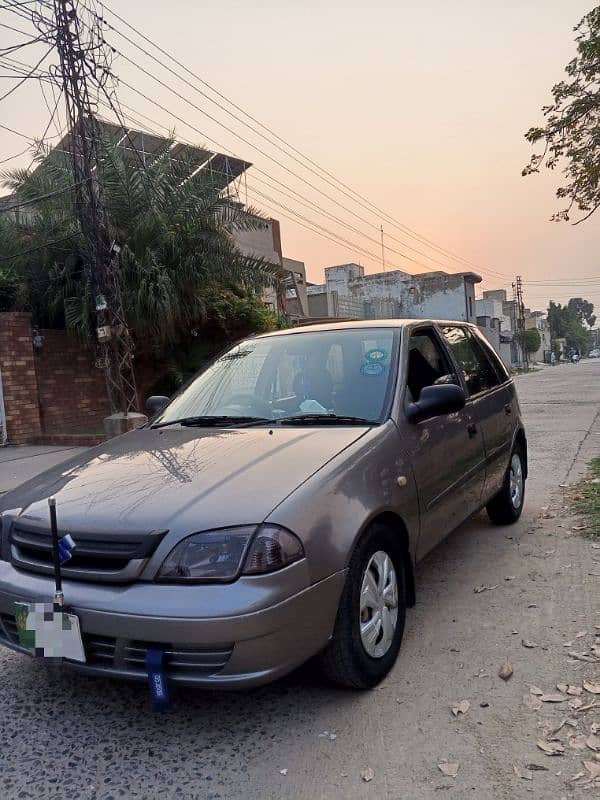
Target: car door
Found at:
x=446, y=452
x=492, y=396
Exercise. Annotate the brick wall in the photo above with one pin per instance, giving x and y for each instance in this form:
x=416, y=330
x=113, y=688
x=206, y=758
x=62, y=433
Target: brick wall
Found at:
x=19, y=378
x=71, y=390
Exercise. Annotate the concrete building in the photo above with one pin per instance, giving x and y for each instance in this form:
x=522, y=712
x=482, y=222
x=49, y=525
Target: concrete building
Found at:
x=396, y=294
x=490, y=320
x=538, y=320
x=510, y=347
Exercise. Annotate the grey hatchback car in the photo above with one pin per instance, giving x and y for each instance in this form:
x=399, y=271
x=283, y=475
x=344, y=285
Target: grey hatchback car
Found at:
x=275, y=508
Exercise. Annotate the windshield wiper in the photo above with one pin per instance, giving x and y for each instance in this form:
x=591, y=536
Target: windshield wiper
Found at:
x=313, y=418
x=211, y=421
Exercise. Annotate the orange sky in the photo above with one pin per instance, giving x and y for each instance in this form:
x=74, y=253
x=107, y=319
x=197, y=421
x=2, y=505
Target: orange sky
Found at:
x=421, y=107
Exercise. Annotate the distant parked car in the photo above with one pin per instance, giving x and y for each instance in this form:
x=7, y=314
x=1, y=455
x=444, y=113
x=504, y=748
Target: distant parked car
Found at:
x=594, y=353
x=274, y=510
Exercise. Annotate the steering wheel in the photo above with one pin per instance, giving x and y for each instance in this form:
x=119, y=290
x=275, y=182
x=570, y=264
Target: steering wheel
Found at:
x=250, y=404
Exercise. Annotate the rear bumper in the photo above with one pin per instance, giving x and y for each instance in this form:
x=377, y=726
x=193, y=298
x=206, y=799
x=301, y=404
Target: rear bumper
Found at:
x=232, y=651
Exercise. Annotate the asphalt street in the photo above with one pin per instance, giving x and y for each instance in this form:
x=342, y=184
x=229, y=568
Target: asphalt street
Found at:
x=68, y=736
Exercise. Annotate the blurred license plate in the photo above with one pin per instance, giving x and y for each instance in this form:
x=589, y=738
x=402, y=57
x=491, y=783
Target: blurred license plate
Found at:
x=48, y=633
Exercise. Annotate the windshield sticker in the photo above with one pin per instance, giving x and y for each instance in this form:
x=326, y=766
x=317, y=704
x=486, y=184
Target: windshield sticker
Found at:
x=372, y=369
x=376, y=355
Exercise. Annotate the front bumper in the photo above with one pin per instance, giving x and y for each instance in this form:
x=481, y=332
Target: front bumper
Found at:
x=261, y=633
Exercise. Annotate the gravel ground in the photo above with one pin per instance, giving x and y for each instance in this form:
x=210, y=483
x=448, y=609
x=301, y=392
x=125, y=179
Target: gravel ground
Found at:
x=64, y=735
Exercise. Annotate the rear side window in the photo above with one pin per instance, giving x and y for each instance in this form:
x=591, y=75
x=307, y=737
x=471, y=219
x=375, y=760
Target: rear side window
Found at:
x=479, y=373
x=493, y=356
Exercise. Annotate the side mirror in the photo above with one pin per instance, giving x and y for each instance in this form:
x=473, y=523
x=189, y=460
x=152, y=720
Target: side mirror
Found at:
x=155, y=404
x=435, y=401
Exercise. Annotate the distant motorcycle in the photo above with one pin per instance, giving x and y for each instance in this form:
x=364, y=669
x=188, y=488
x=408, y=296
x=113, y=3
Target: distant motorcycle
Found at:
x=575, y=358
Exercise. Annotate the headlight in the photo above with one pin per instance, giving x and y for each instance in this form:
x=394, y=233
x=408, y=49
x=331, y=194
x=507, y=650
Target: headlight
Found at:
x=223, y=555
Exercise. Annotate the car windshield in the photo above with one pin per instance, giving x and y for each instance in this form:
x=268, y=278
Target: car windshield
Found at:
x=347, y=373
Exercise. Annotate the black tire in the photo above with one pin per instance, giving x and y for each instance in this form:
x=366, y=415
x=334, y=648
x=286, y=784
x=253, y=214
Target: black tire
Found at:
x=501, y=509
x=345, y=661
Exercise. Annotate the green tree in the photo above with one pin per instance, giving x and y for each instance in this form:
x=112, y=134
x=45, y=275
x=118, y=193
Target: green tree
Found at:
x=566, y=323
x=583, y=309
x=531, y=340
x=570, y=135
x=175, y=231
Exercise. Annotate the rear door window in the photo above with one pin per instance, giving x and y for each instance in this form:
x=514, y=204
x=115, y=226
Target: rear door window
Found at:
x=478, y=371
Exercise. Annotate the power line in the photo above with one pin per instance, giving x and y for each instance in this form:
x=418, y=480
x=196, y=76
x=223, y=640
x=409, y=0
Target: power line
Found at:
x=372, y=207
x=36, y=249
x=41, y=197
x=22, y=81
x=276, y=161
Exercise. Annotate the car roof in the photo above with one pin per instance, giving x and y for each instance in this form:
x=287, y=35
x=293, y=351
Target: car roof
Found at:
x=360, y=324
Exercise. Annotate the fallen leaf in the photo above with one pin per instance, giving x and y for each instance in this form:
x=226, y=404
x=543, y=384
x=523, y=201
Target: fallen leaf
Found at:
x=594, y=704
x=578, y=742
x=535, y=690
x=593, y=767
x=553, y=698
x=562, y=687
x=536, y=768
x=482, y=588
x=579, y=527
x=505, y=672
x=593, y=742
x=575, y=690
x=283, y=771
x=532, y=702
x=524, y=773
x=581, y=634
x=461, y=708
x=568, y=644
x=484, y=704
x=510, y=577
x=367, y=774
x=449, y=768
x=577, y=702
x=551, y=748
x=527, y=643
x=592, y=686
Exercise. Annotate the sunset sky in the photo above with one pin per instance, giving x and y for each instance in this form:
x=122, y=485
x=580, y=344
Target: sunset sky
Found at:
x=421, y=107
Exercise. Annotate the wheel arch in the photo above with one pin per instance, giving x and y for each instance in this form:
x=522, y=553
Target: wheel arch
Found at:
x=394, y=523
x=521, y=439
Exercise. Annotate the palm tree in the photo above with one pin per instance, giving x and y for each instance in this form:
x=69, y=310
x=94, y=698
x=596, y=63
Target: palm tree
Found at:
x=175, y=231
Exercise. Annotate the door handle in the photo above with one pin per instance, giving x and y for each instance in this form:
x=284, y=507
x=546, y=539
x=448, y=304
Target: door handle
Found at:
x=472, y=430
x=507, y=410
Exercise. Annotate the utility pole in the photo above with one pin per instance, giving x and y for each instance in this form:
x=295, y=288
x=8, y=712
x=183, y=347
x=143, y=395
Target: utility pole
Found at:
x=382, y=248
x=81, y=66
x=520, y=312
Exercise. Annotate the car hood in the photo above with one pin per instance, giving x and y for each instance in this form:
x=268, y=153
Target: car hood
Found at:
x=181, y=479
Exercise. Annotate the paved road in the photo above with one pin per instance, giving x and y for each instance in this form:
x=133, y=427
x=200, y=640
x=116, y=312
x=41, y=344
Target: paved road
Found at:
x=77, y=737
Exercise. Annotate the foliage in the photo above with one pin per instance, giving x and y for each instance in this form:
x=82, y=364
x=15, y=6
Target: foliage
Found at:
x=566, y=322
x=588, y=503
x=174, y=228
x=234, y=314
x=531, y=340
x=584, y=310
x=571, y=131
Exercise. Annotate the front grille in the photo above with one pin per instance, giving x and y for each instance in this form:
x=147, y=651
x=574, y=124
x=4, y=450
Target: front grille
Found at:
x=115, y=556
x=128, y=657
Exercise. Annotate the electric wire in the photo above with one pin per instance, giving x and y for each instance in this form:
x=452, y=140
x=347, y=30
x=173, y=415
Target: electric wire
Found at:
x=372, y=207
